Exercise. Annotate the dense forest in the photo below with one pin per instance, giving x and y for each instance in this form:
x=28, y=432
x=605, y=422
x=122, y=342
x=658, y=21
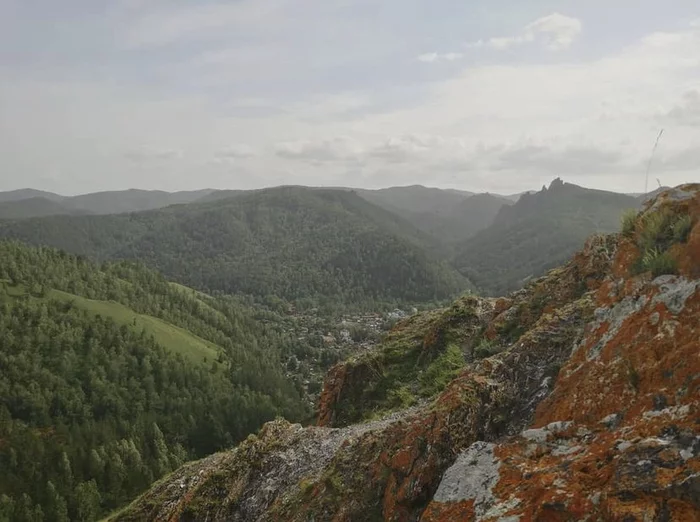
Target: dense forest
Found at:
x=538, y=233
x=324, y=246
x=110, y=376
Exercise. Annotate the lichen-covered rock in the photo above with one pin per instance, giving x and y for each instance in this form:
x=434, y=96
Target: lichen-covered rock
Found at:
x=401, y=371
x=588, y=410
x=630, y=396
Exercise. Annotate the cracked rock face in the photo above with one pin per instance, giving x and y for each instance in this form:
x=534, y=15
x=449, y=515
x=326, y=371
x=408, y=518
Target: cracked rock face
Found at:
x=591, y=412
x=631, y=391
x=471, y=477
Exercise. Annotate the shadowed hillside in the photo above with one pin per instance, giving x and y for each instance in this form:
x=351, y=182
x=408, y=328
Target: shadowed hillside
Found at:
x=290, y=242
x=537, y=233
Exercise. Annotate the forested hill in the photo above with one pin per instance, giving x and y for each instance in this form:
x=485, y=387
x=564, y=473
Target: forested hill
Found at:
x=112, y=202
x=291, y=242
x=538, y=233
x=34, y=207
x=110, y=377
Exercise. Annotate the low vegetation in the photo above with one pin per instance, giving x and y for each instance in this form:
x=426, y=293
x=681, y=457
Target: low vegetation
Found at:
x=415, y=361
x=656, y=233
x=629, y=222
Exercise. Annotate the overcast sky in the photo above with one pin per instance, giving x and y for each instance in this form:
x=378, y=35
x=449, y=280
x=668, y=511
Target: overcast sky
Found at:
x=485, y=95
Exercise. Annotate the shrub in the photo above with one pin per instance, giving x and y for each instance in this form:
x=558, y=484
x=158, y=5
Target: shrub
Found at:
x=660, y=230
x=441, y=371
x=657, y=231
x=486, y=349
x=401, y=397
x=629, y=222
x=681, y=228
x=658, y=263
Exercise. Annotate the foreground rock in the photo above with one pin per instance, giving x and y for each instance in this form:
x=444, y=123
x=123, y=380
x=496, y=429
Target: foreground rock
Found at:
x=587, y=408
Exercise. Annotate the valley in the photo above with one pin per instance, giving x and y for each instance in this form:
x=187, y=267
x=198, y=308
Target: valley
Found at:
x=349, y=261
x=476, y=410
x=203, y=321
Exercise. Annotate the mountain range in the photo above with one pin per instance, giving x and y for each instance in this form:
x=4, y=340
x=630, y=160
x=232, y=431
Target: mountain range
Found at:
x=290, y=242
x=112, y=202
x=574, y=398
x=537, y=233
x=155, y=337
x=403, y=244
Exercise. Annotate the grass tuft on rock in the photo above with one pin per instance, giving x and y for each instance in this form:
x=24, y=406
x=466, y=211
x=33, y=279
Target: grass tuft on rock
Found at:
x=657, y=232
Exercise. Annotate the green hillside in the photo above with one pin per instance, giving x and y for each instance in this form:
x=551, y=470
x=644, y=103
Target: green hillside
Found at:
x=34, y=207
x=539, y=232
x=110, y=376
x=325, y=246
x=121, y=201
x=172, y=338
x=26, y=203
x=415, y=198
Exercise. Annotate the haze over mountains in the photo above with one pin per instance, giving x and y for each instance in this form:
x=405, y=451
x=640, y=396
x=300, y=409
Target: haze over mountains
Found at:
x=113, y=202
x=402, y=244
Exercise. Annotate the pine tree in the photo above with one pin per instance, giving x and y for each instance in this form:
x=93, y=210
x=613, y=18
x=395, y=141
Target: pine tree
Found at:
x=56, y=507
x=87, y=502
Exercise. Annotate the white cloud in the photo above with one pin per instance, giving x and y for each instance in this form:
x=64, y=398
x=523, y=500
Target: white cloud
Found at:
x=427, y=57
x=556, y=32
x=571, y=159
x=437, y=57
x=415, y=148
x=687, y=112
x=236, y=151
x=152, y=154
x=687, y=159
x=326, y=150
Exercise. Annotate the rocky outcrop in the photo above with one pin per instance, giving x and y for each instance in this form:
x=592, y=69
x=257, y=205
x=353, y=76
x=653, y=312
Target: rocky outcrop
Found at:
x=583, y=407
x=625, y=408
x=361, y=387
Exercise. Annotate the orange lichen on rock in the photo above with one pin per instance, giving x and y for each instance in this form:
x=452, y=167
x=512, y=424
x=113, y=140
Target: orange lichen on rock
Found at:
x=332, y=388
x=629, y=397
x=463, y=510
x=591, y=411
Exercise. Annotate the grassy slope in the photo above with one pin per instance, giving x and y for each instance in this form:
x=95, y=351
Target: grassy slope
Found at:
x=169, y=336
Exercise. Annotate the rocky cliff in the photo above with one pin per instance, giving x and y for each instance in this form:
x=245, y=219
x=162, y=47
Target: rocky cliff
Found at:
x=576, y=398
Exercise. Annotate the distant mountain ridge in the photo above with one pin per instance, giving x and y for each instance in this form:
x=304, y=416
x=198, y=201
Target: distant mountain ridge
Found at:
x=494, y=241
x=448, y=215
x=537, y=233
x=290, y=242
x=99, y=203
x=36, y=206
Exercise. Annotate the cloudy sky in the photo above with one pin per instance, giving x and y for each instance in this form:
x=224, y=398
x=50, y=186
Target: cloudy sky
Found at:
x=486, y=95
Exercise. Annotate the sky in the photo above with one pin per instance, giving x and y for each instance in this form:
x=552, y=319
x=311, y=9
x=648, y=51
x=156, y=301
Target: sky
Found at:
x=487, y=95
